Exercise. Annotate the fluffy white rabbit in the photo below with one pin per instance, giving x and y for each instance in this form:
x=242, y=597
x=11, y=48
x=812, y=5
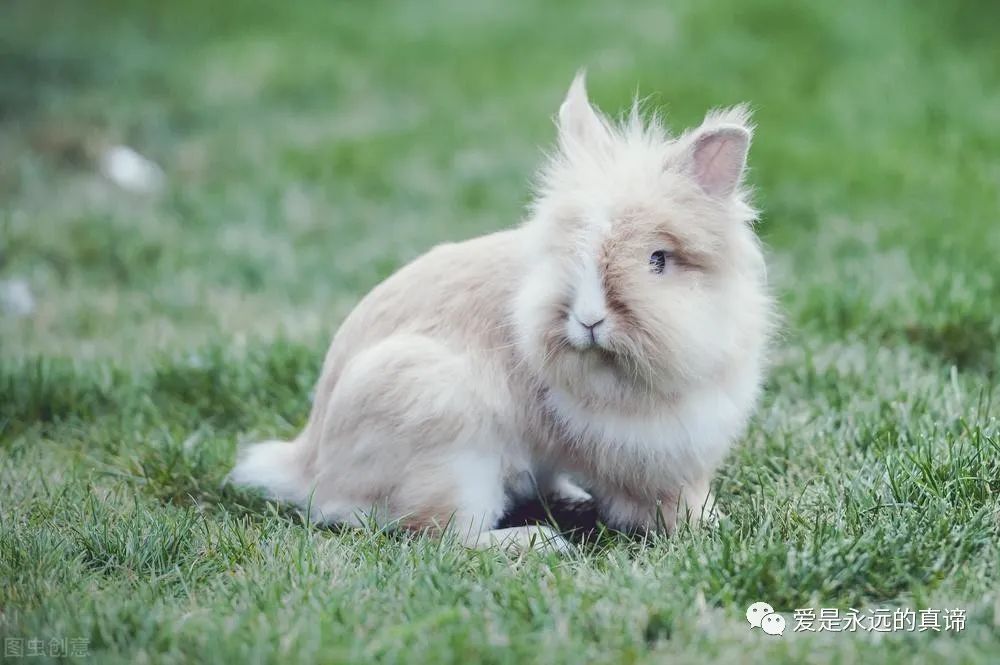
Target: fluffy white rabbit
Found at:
x=617, y=337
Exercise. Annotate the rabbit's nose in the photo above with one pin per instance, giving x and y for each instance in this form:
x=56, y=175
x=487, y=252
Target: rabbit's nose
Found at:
x=590, y=326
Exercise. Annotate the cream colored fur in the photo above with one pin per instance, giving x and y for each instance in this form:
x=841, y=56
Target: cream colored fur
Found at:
x=470, y=376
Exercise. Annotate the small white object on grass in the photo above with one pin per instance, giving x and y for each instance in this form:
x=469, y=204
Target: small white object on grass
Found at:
x=15, y=298
x=131, y=171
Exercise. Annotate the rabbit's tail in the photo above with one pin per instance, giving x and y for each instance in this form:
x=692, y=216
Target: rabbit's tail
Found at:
x=274, y=467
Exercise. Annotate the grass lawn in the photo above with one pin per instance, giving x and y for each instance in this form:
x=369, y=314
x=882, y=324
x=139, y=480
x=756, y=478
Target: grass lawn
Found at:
x=310, y=148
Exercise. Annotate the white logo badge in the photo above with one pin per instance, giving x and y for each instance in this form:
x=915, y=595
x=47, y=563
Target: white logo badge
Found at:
x=762, y=615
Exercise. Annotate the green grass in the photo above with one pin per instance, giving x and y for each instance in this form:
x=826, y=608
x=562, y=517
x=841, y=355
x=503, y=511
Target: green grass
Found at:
x=313, y=147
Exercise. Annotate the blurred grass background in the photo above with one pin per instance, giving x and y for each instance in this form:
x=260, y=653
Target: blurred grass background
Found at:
x=311, y=148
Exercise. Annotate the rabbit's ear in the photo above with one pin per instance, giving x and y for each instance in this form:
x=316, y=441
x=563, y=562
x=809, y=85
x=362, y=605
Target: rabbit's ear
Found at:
x=717, y=151
x=578, y=122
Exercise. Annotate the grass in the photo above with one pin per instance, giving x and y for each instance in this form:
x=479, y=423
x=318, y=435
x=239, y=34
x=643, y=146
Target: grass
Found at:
x=311, y=149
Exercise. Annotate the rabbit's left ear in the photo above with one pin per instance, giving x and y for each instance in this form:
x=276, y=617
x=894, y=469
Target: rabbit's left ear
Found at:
x=578, y=122
x=717, y=151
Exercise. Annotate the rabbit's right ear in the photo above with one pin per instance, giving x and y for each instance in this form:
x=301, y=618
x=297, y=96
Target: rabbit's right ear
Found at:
x=579, y=124
x=717, y=151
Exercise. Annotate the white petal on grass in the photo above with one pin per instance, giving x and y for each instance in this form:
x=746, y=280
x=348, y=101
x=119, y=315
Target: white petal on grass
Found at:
x=131, y=171
x=16, y=299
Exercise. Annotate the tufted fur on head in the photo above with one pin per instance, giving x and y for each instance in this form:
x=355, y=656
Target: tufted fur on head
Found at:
x=646, y=278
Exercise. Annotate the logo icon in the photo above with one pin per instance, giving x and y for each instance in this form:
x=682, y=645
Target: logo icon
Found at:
x=762, y=615
x=773, y=624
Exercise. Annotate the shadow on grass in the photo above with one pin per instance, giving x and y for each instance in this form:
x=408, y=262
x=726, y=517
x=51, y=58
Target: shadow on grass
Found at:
x=969, y=344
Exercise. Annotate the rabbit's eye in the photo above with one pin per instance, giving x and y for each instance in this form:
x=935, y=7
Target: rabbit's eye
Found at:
x=658, y=261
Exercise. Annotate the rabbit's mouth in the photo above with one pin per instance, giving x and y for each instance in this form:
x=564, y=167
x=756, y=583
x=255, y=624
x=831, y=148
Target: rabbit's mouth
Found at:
x=602, y=356
x=591, y=347
x=596, y=354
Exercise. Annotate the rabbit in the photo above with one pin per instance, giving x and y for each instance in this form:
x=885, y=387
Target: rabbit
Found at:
x=612, y=345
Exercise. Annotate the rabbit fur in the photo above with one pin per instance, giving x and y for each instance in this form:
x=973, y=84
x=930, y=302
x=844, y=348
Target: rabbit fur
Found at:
x=613, y=344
